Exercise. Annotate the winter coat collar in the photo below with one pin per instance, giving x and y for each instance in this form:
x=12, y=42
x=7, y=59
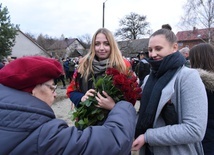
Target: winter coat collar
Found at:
x=207, y=78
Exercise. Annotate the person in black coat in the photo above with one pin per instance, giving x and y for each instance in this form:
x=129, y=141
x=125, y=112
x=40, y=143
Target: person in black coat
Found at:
x=142, y=68
x=1, y=65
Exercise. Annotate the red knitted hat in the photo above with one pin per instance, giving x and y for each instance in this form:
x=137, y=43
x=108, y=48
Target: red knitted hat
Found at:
x=27, y=72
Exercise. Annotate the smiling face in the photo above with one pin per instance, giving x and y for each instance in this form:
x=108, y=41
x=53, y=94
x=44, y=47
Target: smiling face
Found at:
x=45, y=92
x=102, y=47
x=159, y=47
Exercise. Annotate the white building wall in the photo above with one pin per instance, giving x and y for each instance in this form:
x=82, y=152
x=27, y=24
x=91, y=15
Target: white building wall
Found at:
x=75, y=45
x=25, y=47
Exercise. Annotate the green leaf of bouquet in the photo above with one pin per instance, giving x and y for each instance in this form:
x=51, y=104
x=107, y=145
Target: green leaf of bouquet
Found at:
x=81, y=122
x=86, y=120
x=95, y=111
x=88, y=103
x=75, y=114
x=92, y=99
x=100, y=117
x=99, y=82
x=76, y=124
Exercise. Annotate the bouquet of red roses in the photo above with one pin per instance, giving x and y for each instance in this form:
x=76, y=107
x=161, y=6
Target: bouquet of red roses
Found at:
x=117, y=85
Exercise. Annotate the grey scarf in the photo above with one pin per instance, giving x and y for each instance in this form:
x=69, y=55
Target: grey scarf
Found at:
x=100, y=66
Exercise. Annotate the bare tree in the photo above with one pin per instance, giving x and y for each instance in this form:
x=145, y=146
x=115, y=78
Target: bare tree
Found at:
x=45, y=41
x=133, y=26
x=200, y=14
x=30, y=35
x=85, y=40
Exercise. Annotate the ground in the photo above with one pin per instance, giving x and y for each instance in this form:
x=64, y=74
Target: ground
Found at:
x=62, y=108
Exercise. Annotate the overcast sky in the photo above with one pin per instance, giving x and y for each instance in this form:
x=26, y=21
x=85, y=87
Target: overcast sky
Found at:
x=74, y=18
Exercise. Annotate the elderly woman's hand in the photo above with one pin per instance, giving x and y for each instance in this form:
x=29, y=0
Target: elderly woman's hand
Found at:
x=90, y=92
x=105, y=102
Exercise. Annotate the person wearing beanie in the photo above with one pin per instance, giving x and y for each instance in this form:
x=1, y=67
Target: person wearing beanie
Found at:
x=28, y=125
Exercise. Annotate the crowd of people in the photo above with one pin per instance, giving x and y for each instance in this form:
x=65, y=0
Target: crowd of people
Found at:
x=5, y=61
x=176, y=105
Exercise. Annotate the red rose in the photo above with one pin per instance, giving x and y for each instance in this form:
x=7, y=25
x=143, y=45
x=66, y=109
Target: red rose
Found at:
x=112, y=71
x=119, y=79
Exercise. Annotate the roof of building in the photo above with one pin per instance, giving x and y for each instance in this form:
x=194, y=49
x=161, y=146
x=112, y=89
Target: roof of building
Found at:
x=133, y=47
x=79, y=52
x=194, y=34
x=62, y=44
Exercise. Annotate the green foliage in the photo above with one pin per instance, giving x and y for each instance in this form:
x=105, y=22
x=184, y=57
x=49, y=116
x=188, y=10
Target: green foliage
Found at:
x=8, y=33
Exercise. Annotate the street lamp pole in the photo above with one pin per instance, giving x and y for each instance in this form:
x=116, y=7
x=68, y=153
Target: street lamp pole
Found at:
x=104, y=13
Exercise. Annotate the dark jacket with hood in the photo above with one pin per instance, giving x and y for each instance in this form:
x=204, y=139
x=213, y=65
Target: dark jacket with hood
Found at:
x=28, y=126
x=208, y=141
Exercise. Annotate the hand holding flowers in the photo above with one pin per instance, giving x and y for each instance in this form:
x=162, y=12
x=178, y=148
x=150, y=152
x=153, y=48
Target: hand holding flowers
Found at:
x=90, y=92
x=105, y=102
x=109, y=89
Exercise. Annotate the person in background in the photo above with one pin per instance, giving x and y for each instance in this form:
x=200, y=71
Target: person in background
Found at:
x=78, y=60
x=104, y=53
x=66, y=68
x=134, y=61
x=72, y=64
x=28, y=125
x=9, y=59
x=185, y=52
x=173, y=108
x=1, y=65
x=202, y=58
x=142, y=68
x=61, y=78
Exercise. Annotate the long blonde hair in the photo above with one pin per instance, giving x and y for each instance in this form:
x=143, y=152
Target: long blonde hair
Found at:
x=115, y=59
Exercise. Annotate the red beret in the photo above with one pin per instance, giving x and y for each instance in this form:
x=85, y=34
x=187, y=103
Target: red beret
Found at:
x=27, y=72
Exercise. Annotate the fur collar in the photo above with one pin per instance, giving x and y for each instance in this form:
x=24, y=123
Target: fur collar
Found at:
x=207, y=78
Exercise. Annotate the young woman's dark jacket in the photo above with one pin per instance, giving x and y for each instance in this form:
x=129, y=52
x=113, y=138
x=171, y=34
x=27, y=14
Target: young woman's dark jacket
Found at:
x=208, y=141
x=78, y=86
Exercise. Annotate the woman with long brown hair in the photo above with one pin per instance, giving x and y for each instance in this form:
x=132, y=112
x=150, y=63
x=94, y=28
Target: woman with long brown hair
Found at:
x=103, y=53
x=202, y=58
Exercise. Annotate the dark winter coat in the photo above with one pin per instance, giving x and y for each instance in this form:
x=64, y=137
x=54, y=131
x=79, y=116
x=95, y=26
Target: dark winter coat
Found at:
x=28, y=126
x=1, y=65
x=142, y=69
x=208, y=141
